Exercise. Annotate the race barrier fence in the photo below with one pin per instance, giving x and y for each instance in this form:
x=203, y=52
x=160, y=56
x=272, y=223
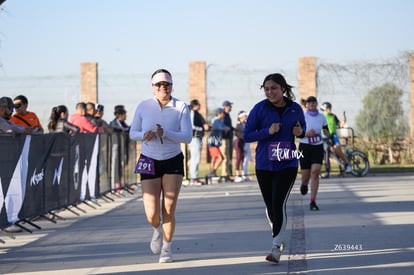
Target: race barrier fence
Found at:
x=43, y=173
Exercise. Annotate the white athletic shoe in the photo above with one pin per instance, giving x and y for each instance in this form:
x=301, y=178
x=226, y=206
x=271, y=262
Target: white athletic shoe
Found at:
x=156, y=241
x=274, y=256
x=166, y=256
x=348, y=168
x=238, y=179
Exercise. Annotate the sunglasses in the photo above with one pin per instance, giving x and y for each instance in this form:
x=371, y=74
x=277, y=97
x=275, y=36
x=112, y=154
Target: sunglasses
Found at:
x=163, y=83
x=18, y=105
x=11, y=108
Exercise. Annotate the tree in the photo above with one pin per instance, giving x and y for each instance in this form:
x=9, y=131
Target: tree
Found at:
x=382, y=119
x=383, y=115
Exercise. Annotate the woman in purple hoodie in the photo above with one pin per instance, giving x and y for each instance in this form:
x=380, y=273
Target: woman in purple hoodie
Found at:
x=274, y=123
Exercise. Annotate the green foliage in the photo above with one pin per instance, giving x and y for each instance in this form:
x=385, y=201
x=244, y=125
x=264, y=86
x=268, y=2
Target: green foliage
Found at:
x=383, y=116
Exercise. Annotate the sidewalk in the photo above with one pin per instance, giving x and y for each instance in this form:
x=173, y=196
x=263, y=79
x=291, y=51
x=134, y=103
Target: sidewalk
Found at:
x=364, y=226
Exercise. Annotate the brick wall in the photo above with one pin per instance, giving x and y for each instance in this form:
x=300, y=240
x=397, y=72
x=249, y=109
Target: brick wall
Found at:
x=197, y=81
x=412, y=95
x=89, y=82
x=307, y=77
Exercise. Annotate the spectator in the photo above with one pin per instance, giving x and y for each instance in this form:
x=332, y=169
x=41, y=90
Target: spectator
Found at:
x=215, y=141
x=119, y=123
x=58, y=121
x=24, y=117
x=79, y=119
x=119, y=126
x=6, y=110
x=102, y=124
x=228, y=141
x=90, y=114
x=242, y=148
x=196, y=145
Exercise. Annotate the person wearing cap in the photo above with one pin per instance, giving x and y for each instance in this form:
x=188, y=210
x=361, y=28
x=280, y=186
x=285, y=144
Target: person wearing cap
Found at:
x=7, y=127
x=274, y=123
x=243, y=154
x=228, y=141
x=119, y=125
x=23, y=117
x=311, y=146
x=119, y=122
x=199, y=126
x=214, y=141
x=334, y=123
x=161, y=123
x=102, y=124
x=6, y=110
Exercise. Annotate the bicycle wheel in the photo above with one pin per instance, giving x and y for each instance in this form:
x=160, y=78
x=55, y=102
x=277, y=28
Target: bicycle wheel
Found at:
x=359, y=163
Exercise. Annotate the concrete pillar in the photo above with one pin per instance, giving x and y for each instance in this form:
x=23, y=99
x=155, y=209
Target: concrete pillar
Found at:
x=307, y=77
x=412, y=96
x=89, y=82
x=198, y=84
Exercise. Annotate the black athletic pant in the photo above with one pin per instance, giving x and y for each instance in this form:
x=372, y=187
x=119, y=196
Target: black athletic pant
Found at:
x=275, y=188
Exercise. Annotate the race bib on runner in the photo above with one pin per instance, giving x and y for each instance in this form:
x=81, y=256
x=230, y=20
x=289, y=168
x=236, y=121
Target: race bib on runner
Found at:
x=281, y=151
x=145, y=165
x=315, y=139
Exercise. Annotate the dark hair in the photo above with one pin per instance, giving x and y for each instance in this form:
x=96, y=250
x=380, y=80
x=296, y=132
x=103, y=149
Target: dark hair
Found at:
x=194, y=102
x=55, y=115
x=81, y=105
x=22, y=98
x=160, y=71
x=90, y=106
x=279, y=79
x=309, y=99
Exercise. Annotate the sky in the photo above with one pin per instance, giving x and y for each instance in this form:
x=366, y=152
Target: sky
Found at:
x=52, y=37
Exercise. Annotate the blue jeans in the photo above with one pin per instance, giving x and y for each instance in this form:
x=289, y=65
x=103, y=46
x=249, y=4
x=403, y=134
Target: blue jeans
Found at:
x=195, y=156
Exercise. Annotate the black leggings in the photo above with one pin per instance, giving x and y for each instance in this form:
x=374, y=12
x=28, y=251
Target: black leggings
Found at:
x=275, y=188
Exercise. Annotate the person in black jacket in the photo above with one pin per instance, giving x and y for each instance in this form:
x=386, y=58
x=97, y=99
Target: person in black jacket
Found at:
x=118, y=124
x=196, y=145
x=228, y=141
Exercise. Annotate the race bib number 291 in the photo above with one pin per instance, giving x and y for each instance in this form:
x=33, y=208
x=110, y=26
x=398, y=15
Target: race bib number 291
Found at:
x=145, y=165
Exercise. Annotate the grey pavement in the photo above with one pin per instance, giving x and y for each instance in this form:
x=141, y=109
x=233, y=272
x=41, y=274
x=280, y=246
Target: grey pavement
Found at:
x=365, y=226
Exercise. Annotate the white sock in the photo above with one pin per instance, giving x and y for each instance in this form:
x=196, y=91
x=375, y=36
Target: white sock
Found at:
x=158, y=229
x=166, y=245
x=277, y=241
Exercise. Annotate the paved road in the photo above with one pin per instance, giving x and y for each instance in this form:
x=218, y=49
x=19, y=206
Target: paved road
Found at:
x=365, y=226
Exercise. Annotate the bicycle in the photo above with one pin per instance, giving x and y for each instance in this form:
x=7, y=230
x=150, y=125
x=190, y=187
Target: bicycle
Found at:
x=358, y=160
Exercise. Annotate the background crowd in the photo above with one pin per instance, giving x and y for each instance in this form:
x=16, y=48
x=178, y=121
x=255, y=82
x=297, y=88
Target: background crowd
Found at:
x=87, y=118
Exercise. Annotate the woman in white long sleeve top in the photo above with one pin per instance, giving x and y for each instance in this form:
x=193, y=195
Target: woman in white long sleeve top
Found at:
x=162, y=123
